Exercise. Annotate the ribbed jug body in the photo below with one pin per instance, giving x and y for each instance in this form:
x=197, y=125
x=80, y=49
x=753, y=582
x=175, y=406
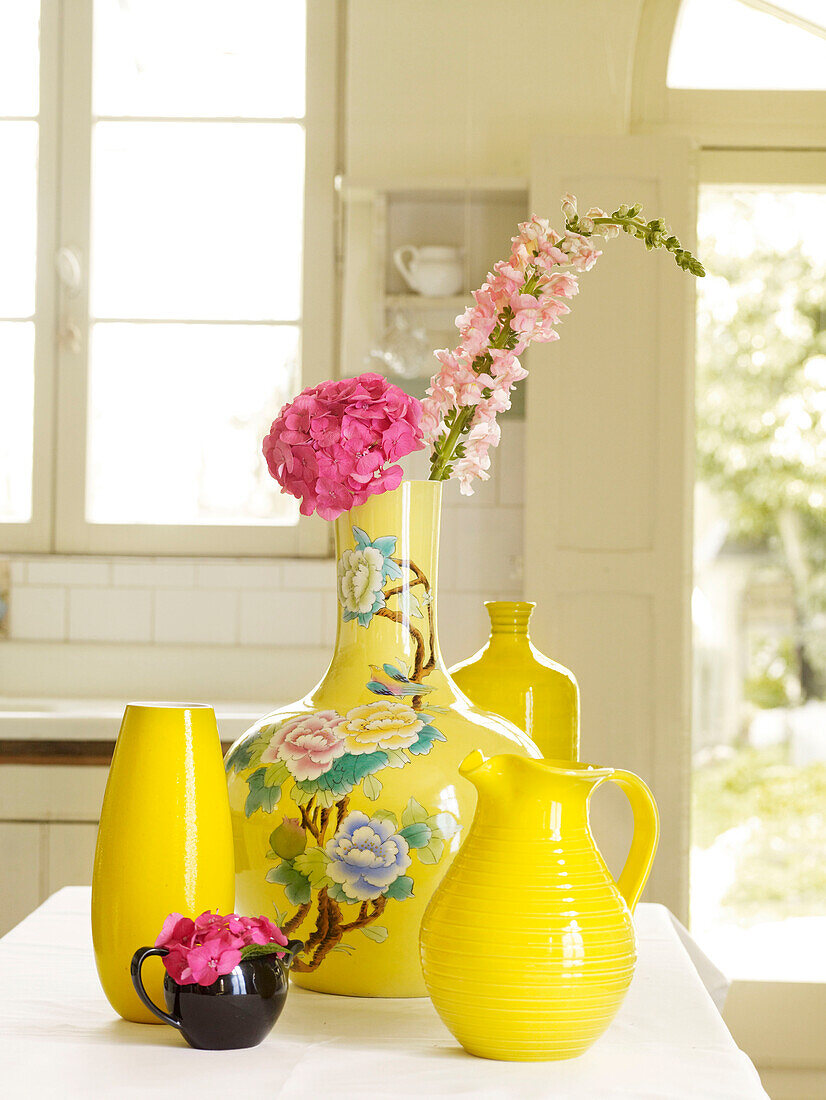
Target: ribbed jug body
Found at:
x=528, y=947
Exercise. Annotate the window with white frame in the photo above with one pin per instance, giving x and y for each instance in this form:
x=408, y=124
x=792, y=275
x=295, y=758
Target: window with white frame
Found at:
x=167, y=165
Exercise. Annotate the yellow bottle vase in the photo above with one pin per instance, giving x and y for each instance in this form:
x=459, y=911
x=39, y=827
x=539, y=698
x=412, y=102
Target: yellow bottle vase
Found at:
x=164, y=843
x=346, y=804
x=511, y=677
x=528, y=945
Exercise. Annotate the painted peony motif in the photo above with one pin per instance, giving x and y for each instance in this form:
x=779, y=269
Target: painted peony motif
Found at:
x=308, y=745
x=362, y=573
x=360, y=582
x=380, y=725
x=366, y=856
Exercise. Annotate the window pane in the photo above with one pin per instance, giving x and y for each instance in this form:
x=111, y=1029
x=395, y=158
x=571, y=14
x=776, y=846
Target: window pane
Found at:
x=18, y=217
x=177, y=414
x=199, y=58
x=197, y=220
x=758, y=861
x=16, y=420
x=769, y=53
x=19, y=57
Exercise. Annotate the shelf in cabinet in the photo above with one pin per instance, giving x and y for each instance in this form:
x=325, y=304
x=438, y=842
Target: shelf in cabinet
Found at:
x=483, y=188
x=456, y=302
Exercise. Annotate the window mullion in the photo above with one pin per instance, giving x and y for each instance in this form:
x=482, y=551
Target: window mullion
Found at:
x=73, y=301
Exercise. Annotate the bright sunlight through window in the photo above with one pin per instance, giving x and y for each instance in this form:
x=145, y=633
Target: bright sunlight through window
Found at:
x=749, y=44
x=196, y=257
x=758, y=858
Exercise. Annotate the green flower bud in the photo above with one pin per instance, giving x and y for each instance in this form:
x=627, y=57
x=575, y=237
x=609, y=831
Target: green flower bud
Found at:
x=289, y=839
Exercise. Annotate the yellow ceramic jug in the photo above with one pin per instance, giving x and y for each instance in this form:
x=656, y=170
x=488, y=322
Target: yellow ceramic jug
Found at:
x=511, y=677
x=528, y=944
x=164, y=842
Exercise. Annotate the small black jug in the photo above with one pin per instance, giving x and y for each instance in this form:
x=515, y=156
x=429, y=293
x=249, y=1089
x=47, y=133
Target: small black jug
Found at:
x=238, y=1010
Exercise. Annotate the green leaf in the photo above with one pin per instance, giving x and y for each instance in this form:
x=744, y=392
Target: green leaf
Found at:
x=254, y=950
x=417, y=834
x=386, y=815
x=414, y=811
x=340, y=779
x=275, y=774
x=424, y=742
x=371, y=787
x=400, y=889
x=300, y=795
x=432, y=852
x=395, y=758
x=238, y=757
x=415, y=606
x=336, y=892
x=375, y=932
x=313, y=865
x=444, y=825
x=296, y=886
x=261, y=797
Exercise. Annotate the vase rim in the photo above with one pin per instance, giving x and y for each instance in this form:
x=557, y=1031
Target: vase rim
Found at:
x=142, y=705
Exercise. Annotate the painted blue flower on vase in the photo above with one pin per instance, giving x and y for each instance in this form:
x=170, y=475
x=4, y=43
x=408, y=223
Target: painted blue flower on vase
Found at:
x=366, y=856
x=362, y=574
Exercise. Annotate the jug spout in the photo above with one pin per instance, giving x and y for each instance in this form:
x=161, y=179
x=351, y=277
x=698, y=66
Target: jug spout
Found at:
x=536, y=795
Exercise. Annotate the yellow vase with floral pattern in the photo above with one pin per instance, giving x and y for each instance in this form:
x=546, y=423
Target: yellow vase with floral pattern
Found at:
x=346, y=806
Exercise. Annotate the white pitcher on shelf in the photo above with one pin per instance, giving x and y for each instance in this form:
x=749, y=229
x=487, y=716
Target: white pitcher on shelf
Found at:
x=434, y=271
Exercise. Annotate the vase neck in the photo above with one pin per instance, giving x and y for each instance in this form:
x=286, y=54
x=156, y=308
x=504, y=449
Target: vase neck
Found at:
x=386, y=564
x=509, y=620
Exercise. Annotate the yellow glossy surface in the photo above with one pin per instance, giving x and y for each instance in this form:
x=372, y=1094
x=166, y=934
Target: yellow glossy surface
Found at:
x=511, y=677
x=164, y=842
x=528, y=945
x=362, y=966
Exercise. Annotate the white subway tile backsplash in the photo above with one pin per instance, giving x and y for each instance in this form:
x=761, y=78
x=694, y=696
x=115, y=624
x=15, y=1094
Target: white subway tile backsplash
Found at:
x=110, y=615
x=309, y=574
x=73, y=571
x=37, y=613
x=196, y=616
x=286, y=618
x=17, y=571
x=153, y=574
x=238, y=574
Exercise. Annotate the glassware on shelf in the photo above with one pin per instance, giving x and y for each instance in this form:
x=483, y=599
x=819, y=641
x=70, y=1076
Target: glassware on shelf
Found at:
x=404, y=350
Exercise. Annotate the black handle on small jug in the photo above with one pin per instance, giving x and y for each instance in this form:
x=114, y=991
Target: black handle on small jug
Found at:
x=138, y=959
x=292, y=949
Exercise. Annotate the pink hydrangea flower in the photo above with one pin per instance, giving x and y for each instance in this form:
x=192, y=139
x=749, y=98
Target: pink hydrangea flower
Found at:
x=308, y=745
x=331, y=446
x=201, y=950
x=215, y=956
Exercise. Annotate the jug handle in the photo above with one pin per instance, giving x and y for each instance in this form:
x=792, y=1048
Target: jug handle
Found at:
x=138, y=959
x=637, y=867
x=403, y=264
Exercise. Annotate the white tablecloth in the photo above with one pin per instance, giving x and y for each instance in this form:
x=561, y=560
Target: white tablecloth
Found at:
x=60, y=1038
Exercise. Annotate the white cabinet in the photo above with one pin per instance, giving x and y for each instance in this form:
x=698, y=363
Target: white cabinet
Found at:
x=48, y=829
x=478, y=216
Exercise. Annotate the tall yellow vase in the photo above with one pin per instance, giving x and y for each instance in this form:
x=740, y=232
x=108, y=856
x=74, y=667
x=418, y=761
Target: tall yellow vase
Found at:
x=346, y=805
x=528, y=944
x=164, y=842
x=511, y=677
